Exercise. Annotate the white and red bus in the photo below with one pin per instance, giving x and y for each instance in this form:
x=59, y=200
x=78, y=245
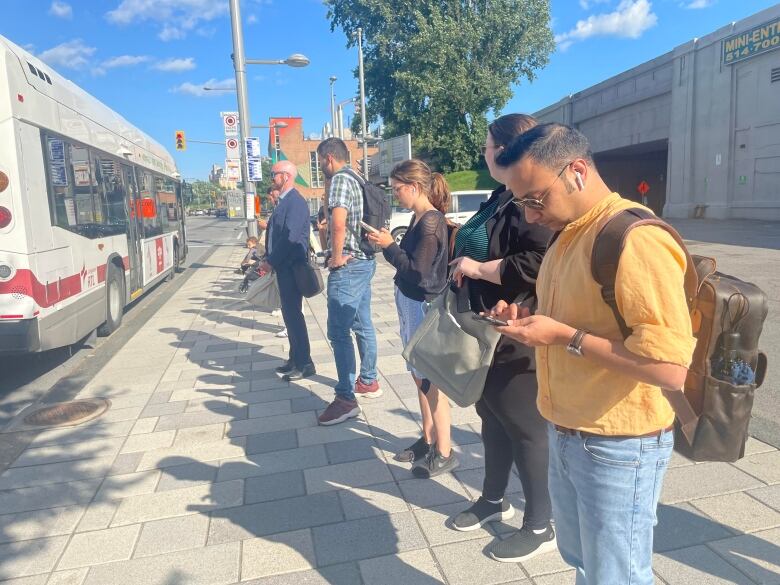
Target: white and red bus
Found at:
x=91, y=212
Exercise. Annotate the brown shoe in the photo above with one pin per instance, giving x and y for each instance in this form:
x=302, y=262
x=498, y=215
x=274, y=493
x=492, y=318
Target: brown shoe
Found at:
x=338, y=411
x=363, y=390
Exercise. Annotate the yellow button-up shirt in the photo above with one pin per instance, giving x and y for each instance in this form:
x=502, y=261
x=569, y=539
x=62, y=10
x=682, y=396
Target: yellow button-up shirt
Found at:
x=577, y=393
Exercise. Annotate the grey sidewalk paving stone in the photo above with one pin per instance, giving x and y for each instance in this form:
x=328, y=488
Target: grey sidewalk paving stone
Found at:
x=683, y=526
x=757, y=555
x=282, y=553
x=352, y=450
x=769, y=495
x=706, y=479
x=18, y=477
x=698, y=565
x=465, y=563
x=278, y=516
x=739, y=511
x=108, y=447
x=172, y=534
x=211, y=565
x=346, y=475
x=375, y=500
x=367, y=538
x=276, y=486
x=48, y=496
x=345, y=574
x=267, y=442
x=102, y=546
x=273, y=462
x=256, y=426
x=39, y=523
x=186, y=475
x=29, y=557
x=416, y=567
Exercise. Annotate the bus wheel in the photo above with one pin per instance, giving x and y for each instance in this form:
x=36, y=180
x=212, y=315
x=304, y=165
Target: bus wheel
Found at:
x=175, y=267
x=115, y=301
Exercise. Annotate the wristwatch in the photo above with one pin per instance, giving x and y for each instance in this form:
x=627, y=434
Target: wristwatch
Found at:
x=575, y=344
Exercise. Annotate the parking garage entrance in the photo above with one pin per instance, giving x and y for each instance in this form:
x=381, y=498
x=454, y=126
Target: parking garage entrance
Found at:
x=625, y=169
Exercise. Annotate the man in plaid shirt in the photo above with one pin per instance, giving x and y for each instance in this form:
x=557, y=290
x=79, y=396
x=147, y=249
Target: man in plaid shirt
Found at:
x=349, y=286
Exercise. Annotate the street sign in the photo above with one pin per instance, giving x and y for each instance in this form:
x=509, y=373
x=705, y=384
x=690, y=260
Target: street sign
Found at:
x=231, y=148
x=230, y=120
x=253, y=147
x=255, y=169
x=643, y=188
x=233, y=169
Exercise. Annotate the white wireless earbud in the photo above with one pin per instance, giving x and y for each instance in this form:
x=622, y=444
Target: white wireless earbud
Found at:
x=578, y=180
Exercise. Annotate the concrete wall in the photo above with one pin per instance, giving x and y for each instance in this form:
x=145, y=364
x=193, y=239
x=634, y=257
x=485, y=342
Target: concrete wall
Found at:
x=722, y=123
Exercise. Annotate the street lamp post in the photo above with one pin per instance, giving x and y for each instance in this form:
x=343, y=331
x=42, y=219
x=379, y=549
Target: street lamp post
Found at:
x=362, y=104
x=340, y=115
x=239, y=64
x=332, y=107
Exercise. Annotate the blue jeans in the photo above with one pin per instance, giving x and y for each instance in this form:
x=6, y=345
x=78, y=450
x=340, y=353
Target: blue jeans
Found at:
x=349, y=309
x=604, y=494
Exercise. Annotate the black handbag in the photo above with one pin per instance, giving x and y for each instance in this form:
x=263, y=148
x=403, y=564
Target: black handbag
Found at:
x=308, y=278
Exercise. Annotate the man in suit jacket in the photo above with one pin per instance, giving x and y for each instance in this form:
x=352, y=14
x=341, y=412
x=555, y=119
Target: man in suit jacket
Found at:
x=288, y=245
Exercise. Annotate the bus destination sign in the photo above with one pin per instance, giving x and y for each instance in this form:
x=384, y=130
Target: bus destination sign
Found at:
x=750, y=43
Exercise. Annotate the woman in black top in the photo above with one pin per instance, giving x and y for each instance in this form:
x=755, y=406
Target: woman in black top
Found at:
x=498, y=255
x=421, y=274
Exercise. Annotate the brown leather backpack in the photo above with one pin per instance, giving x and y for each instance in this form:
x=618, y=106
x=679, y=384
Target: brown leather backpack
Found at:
x=713, y=414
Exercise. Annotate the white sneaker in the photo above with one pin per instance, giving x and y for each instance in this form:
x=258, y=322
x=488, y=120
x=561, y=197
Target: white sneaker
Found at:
x=282, y=333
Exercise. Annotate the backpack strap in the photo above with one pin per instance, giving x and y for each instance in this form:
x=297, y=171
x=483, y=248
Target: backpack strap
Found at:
x=604, y=262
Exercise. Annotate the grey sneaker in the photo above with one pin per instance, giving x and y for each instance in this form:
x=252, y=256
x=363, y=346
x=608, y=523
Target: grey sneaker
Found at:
x=435, y=464
x=523, y=545
x=480, y=513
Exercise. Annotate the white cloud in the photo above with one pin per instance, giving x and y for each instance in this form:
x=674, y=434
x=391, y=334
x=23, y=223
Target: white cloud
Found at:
x=177, y=17
x=197, y=90
x=251, y=19
x=121, y=61
x=630, y=20
x=72, y=54
x=175, y=65
x=61, y=9
x=698, y=4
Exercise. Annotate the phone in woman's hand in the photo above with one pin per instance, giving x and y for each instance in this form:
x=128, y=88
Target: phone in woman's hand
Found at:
x=369, y=228
x=491, y=320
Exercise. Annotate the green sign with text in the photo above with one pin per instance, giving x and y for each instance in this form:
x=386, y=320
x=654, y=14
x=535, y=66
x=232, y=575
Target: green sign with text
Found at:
x=755, y=41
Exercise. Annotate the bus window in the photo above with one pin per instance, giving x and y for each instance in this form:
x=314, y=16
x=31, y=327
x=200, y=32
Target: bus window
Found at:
x=163, y=198
x=113, y=194
x=151, y=221
x=75, y=202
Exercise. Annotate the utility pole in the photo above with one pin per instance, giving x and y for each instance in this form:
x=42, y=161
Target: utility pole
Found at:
x=362, y=104
x=333, y=125
x=239, y=64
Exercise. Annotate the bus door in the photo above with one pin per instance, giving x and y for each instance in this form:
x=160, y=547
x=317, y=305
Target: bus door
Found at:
x=134, y=230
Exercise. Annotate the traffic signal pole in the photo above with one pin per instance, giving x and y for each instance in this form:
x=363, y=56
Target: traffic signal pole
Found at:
x=239, y=64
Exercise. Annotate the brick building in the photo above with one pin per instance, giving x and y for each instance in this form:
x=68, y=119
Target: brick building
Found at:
x=289, y=143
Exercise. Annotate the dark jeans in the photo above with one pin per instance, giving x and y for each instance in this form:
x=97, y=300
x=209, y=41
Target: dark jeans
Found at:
x=292, y=314
x=513, y=431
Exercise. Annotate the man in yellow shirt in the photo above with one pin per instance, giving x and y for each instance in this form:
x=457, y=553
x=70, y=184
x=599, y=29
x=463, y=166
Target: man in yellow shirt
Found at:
x=610, y=425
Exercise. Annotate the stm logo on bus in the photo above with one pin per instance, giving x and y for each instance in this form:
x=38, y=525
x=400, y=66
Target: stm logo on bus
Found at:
x=181, y=141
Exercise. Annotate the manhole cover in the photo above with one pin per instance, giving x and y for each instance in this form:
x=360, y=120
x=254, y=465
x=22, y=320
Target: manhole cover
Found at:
x=67, y=413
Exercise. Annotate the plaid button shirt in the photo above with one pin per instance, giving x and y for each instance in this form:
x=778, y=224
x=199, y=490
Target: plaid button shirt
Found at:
x=346, y=192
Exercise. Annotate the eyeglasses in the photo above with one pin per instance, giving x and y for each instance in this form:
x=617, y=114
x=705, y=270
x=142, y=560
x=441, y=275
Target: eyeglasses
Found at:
x=537, y=203
x=274, y=173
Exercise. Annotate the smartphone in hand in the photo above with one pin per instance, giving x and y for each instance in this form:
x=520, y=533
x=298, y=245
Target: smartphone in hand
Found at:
x=489, y=319
x=369, y=228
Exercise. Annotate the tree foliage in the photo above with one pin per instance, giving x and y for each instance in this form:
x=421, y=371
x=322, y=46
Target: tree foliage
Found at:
x=436, y=68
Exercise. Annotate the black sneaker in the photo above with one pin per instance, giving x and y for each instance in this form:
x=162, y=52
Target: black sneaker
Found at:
x=413, y=452
x=523, y=545
x=482, y=512
x=297, y=374
x=435, y=464
x=286, y=367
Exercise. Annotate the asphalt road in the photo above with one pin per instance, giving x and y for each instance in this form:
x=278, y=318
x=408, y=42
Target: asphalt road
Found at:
x=55, y=375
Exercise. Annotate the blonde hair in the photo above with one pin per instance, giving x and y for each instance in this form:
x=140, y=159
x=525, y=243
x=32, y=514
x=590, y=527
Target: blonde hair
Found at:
x=433, y=185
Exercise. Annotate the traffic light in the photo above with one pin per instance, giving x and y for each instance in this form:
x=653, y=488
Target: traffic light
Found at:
x=181, y=141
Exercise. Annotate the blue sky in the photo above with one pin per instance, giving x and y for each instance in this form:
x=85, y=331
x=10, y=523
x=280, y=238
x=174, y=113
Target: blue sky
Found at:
x=149, y=59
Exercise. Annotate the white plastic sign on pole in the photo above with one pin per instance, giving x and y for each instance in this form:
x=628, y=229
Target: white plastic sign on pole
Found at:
x=255, y=169
x=233, y=169
x=230, y=120
x=253, y=147
x=231, y=148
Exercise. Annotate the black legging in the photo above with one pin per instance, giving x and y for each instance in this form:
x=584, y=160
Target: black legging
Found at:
x=514, y=431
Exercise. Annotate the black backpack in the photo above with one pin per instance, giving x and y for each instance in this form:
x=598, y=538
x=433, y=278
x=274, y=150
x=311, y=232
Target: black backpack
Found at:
x=376, y=210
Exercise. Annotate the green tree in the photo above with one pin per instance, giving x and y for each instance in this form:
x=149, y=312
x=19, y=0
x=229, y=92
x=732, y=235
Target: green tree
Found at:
x=435, y=69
